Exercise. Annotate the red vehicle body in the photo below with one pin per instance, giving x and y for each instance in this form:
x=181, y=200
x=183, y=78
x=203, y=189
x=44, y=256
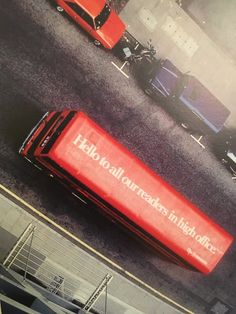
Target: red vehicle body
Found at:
x=71, y=147
x=97, y=18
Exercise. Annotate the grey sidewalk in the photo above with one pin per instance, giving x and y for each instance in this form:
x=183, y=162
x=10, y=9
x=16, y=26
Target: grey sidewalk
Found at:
x=54, y=255
x=178, y=38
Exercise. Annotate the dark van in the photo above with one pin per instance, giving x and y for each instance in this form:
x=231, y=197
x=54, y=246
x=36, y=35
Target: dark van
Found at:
x=230, y=158
x=189, y=101
x=224, y=148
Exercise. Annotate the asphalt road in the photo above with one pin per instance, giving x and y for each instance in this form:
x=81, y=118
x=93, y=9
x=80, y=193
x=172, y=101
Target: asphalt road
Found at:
x=48, y=63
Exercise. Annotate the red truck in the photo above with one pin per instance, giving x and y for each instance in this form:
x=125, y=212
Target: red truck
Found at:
x=94, y=166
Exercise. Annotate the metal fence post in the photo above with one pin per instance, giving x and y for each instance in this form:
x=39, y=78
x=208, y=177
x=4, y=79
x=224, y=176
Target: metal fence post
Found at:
x=28, y=256
x=106, y=300
x=97, y=292
x=15, y=246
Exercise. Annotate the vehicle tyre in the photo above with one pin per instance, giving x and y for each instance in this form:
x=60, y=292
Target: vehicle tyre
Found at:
x=60, y=9
x=97, y=43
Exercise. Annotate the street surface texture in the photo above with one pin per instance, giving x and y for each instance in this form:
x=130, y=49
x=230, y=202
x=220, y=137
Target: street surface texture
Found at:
x=49, y=63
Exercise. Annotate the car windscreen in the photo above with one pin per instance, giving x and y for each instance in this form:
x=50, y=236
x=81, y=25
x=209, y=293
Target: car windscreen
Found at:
x=81, y=13
x=167, y=78
x=102, y=17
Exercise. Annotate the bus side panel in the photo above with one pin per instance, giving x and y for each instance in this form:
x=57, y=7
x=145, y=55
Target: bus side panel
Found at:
x=93, y=157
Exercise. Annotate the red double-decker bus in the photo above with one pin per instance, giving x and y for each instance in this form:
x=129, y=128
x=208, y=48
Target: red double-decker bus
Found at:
x=74, y=149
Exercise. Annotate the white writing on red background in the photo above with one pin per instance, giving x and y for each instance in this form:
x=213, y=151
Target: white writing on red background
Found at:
x=119, y=173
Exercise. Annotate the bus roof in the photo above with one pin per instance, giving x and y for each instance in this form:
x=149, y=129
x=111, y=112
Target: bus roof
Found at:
x=99, y=162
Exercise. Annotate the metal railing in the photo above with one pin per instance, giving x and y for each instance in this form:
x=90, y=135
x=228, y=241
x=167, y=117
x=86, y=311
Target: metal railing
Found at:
x=70, y=276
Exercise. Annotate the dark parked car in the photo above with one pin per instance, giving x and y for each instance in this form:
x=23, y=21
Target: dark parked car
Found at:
x=189, y=101
x=230, y=159
x=224, y=148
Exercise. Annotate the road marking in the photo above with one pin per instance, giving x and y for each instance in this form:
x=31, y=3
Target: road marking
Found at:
x=198, y=140
x=128, y=274
x=121, y=68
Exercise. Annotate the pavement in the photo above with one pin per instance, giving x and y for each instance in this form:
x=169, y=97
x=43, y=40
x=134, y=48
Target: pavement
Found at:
x=217, y=19
x=178, y=38
x=118, y=5
x=80, y=270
